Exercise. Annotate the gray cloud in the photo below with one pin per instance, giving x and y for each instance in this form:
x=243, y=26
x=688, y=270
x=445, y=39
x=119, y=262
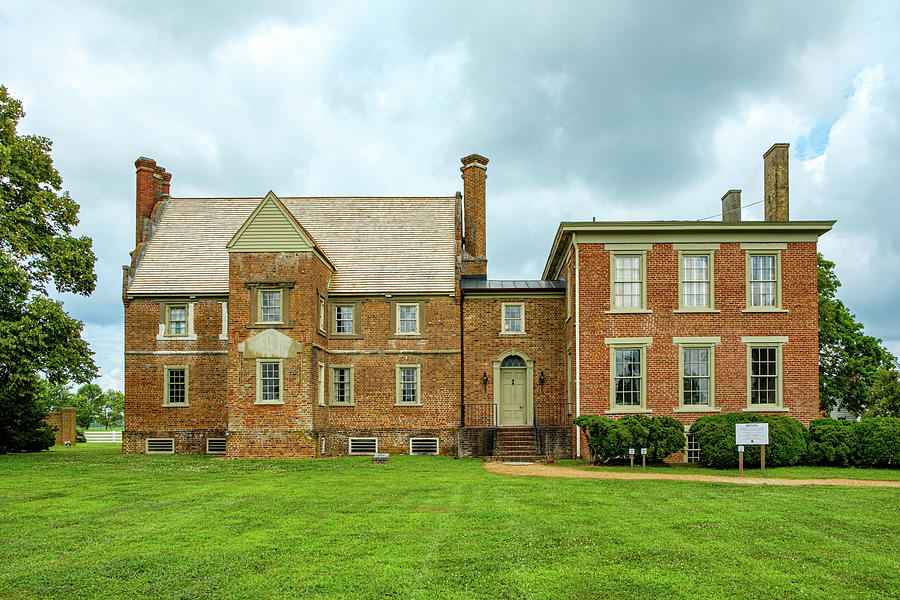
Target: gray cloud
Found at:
x=592, y=109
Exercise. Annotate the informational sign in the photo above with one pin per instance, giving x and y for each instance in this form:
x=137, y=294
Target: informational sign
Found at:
x=631, y=451
x=751, y=434
x=643, y=451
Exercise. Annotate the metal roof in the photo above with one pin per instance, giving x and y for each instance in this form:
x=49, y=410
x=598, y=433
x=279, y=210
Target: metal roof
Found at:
x=392, y=245
x=511, y=285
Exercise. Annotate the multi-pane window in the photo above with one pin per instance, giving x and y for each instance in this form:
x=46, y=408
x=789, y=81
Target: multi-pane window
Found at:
x=408, y=319
x=514, y=318
x=270, y=306
x=764, y=376
x=628, y=283
x=763, y=280
x=695, y=382
x=692, y=450
x=341, y=390
x=270, y=382
x=628, y=379
x=177, y=320
x=176, y=385
x=695, y=280
x=407, y=384
x=343, y=318
x=321, y=382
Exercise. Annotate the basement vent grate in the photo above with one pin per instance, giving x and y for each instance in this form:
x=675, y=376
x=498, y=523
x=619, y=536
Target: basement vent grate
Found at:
x=160, y=445
x=423, y=445
x=215, y=445
x=322, y=451
x=363, y=445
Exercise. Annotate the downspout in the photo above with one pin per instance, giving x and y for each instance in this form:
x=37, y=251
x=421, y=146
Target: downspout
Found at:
x=462, y=363
x=577, y=348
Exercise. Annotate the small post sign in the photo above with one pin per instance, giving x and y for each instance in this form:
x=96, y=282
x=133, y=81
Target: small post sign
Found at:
x=631, y=457
x=644, y=458
x=751, y=434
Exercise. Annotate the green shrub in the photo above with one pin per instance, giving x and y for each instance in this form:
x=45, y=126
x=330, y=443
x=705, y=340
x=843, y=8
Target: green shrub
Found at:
x=831, y=442
x=79, y=436
x=715, y=434
x=666, y=438
x=610, y=438
x=878, y=442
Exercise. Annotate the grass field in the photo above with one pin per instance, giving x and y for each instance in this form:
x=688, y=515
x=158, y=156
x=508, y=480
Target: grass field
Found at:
x=87, y=522
x=771, y=472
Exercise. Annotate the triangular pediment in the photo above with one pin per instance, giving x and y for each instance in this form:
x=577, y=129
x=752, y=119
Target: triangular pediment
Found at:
x=269, y=343
x=271, y=228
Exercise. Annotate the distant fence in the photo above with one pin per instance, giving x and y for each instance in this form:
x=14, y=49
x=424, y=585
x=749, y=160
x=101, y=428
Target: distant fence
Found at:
x=103, y=437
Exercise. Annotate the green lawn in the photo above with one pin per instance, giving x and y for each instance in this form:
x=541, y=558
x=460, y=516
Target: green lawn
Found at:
x=86, y=522
x=771, y=472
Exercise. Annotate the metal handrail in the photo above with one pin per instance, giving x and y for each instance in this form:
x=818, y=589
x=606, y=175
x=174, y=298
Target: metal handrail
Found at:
x=481, y=414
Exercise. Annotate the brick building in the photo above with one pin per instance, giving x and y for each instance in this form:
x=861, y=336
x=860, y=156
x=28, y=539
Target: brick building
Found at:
x=305, y=327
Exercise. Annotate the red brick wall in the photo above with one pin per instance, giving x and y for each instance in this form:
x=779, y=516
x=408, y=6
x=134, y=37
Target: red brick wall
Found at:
x=64, y=421
x=799, y=324
x=145, y=415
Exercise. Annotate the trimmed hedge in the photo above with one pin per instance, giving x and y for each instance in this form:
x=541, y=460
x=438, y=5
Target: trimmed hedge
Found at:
x=715, y=434
x=831, y=442
x=868, y=443
x=610, y=438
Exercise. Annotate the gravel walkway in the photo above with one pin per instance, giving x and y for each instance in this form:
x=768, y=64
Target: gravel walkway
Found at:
x=544, y=470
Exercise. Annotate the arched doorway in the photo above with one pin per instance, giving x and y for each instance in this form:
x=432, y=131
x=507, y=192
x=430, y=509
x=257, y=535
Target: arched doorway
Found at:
x=514, y=389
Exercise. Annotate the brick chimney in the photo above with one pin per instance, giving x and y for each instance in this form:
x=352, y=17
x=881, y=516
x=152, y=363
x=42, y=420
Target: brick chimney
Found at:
x=731, y=206
x=775, y=182
x=474, y=174
x=152, y=185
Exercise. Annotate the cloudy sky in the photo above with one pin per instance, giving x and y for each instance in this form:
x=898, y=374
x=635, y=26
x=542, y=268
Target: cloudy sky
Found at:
x=613, y=110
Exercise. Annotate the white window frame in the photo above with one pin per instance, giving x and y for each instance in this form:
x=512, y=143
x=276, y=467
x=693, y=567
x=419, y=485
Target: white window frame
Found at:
x=697, y=343
x=166, y=385
x=331, y=383
x=334, y=318
x=322, y=384
x=623, y=250
x=763, y=249
x=398, y=390
x=259, y=306
x=616, y=344
x=776, y=342
x=259, y=391
x=504, y=329
x=168, y=331
x=690, y=445
x=685, y=251
x=400, y=305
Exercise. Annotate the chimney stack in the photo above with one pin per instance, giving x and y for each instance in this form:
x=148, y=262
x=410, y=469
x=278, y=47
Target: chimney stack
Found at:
x=731, y=206
x=474, y=174
x=152, y=185
x=775, y=182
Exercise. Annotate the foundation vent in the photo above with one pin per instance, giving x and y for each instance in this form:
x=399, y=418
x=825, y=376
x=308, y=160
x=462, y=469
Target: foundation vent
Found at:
x=423, y=445
x=363, y=445
x=215, y=445
x=160, y=445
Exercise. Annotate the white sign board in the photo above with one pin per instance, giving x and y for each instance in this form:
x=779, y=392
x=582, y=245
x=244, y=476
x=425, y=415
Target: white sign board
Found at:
x=631, y=451
x=643, y=451
x=751, y=434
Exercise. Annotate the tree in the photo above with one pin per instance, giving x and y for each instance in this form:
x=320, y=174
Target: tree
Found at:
x=884, y=395
x=38, y=254
x=113, y=407
x=849, y=360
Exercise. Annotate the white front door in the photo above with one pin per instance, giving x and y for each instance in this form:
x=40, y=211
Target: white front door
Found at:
x=513, y=396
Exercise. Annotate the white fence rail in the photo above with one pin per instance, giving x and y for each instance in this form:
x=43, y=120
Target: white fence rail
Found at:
x=103, y=437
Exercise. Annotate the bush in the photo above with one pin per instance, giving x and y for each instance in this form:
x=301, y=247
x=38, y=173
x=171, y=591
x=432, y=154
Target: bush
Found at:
x=79, y=436
x=831, y=442
x=610, y=438
x=666, y=438
x=877, y=442
x=715, y=434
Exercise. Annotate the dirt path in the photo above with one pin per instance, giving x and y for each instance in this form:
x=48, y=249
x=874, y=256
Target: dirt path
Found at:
x=543, y=470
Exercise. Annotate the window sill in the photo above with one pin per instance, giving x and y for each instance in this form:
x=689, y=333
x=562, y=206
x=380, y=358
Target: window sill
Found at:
x=512, y=333
x=765, y=409
x=175, y=404
x=695, y=310
x=270, y=326
x=407, y=404
x=407, y=336
x=689, y=409
x=629, y=311
x=629, y=411
x=176, y=338
x=765, y=310
x=269, y=403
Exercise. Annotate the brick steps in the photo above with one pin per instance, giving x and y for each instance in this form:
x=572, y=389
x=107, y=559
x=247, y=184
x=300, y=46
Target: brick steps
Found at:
x=516, y=444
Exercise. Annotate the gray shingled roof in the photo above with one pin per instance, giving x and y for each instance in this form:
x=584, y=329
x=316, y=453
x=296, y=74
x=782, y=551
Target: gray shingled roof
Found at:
x=391, y=245
x=514, y=285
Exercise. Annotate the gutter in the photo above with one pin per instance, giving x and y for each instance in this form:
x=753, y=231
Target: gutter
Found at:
x=577, y=347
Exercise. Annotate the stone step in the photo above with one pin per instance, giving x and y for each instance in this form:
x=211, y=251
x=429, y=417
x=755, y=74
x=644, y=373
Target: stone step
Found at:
x=515, y=458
